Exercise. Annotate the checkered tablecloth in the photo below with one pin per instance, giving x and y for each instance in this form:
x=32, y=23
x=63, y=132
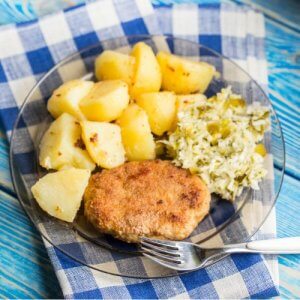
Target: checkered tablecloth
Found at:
x=29, y=50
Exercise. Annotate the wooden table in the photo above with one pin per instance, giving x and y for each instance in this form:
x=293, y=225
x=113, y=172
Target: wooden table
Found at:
x=25, y=269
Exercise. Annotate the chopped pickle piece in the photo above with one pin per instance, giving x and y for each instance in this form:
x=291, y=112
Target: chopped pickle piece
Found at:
x=225, y=128
x=261, y=150
x=159, y=149
x=219, y=128
x=213, y=127
x=235, y=102
x=212, y=99
x=193, y=170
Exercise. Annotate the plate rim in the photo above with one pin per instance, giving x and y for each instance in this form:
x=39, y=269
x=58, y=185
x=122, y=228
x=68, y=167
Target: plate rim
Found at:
x=144, y=36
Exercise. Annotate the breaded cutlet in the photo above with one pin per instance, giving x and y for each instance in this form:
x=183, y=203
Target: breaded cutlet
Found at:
x=148, y=198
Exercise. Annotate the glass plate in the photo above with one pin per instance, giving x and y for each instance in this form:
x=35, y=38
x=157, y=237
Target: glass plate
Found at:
x=226, y=223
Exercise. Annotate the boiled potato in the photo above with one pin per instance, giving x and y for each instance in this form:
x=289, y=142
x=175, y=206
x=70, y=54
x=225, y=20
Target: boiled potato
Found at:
x=104, y=143
x=66, y=98
x=60, y=193
x=147, y=77
x=62, y=146
x=183, y=76
x=106, y=101
x=113, y=65
x=160, y=108
x=136, y=134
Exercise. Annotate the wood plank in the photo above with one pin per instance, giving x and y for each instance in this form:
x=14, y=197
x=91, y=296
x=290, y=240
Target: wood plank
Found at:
x=284, y=82
x=288, y=224
x=24, y=262
x=289, y=279
x=286, y=12
x=288, y=207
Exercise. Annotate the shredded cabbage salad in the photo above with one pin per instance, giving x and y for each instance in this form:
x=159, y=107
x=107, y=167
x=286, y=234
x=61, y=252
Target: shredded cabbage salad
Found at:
x=219, y=140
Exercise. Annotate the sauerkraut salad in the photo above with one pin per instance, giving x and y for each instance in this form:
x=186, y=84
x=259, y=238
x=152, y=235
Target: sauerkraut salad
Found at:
x=219, y=139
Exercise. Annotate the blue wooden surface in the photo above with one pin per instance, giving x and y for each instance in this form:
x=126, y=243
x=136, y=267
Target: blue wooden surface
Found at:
x=25, y=270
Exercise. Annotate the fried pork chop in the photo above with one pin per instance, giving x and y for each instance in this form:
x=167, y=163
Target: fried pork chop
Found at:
x=149, y=198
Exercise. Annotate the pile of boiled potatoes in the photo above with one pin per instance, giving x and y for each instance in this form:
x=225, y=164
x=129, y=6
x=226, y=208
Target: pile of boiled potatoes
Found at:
x=115, y=119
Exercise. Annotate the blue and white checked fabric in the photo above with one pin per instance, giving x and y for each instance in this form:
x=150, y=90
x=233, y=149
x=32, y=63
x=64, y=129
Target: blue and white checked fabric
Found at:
x=29, y=50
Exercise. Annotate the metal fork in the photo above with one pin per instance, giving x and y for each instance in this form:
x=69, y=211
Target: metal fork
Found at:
x=184, y=256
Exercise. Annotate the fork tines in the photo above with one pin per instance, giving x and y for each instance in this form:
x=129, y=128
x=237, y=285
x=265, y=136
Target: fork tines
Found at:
x=162, y=250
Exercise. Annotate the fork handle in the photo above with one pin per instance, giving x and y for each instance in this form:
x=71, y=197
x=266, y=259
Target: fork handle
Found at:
x=289, y=245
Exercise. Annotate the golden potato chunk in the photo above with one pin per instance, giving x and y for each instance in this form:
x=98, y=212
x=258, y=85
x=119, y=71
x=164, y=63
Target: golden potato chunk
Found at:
x=136, y=134
x=160, y=108
x=111, y=65
x=184, y=76
x=147, y=77
x=60, y=193
x=66, y=98
x=62, y=146
x=104, y=143
x=106, y=101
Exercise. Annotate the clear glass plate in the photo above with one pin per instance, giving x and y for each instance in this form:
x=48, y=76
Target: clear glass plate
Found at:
x=226, y=223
